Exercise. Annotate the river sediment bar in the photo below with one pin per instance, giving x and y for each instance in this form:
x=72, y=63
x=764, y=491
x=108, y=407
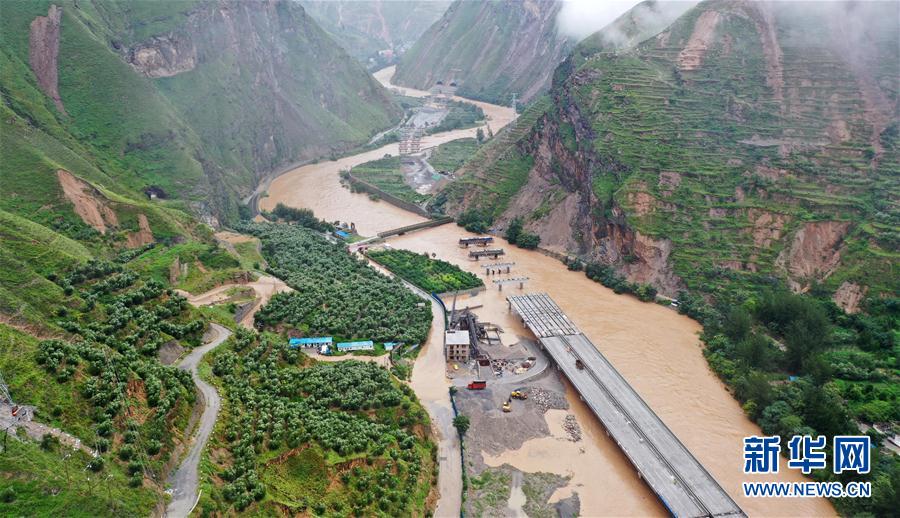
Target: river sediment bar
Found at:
x=672, y=472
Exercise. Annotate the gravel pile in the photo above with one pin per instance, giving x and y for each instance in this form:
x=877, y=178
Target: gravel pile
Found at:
x=570, y=425
x=547, y=399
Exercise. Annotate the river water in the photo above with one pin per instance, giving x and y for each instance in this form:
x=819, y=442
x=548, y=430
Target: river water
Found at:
x=656, y=349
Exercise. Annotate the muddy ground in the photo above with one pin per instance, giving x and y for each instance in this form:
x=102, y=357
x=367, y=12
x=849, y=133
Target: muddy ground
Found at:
x=505, y=490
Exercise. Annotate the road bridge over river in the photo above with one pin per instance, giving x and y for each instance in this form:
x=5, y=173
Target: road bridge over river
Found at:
x=678, y=479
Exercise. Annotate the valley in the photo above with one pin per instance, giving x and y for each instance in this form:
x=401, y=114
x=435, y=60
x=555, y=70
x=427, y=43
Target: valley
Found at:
x=683, y=390
x=371, y=258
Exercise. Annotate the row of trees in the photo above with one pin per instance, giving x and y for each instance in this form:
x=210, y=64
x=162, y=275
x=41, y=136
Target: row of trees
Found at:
x=112, y=362
x=281, y=403
x=607, y=276
x=302, y=217
x=516, y=235
x=335, y=293
x=432, y=275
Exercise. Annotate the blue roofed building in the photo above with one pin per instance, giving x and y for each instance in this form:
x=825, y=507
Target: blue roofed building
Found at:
x=313, y=341
x=389, y=346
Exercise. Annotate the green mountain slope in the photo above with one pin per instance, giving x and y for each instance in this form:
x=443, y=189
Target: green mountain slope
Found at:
x=366, y=29
x=491, y=49
x=743, y=141
x=196, y=99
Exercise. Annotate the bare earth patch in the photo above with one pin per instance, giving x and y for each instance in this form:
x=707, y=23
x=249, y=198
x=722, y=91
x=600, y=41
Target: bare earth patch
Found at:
x=87, y=202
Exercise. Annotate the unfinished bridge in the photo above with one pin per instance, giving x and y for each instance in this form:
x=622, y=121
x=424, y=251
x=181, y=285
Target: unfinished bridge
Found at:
x=672, y=472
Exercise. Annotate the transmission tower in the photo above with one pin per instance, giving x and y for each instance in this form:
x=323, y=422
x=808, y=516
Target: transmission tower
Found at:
x=5, y=397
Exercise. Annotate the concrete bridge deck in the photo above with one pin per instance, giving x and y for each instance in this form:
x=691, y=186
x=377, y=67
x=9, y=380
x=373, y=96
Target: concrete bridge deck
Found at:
x=671, y=471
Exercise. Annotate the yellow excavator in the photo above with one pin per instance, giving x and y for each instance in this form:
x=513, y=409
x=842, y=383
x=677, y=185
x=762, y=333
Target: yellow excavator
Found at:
x=517, y=394
x=507, y=406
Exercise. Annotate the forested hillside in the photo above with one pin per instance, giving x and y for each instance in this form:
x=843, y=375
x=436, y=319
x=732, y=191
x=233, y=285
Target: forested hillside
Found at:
x=194, y=100
x=376, y=31
x=491, y=50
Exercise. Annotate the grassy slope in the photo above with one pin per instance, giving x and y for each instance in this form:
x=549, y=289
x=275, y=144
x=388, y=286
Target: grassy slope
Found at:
x=202, y=136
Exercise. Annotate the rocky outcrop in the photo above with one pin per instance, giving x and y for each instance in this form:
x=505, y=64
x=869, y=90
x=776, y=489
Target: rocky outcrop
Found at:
x=164, y=56
x=767, y=227
x=90, y=205
x=142, y=236
x=692, y=54
x=849, y=295
x=814, y=252
x=43, y=51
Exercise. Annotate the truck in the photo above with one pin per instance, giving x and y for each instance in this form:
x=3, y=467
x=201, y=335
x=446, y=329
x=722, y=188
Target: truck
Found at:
x=518, y=394
x=579, y=365
x=477, y=385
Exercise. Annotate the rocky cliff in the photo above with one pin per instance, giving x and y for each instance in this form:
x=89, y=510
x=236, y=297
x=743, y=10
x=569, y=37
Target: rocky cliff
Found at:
x=490, y=49
x=740, y=142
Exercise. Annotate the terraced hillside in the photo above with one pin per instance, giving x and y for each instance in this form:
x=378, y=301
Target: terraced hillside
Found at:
x=491, y=49
x=194, y=100
x=375, y=32
x=742, y=140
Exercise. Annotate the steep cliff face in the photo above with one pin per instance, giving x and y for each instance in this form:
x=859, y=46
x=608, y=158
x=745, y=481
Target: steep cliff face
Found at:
x=196, y=99
x=741, y=140
x=491, y=49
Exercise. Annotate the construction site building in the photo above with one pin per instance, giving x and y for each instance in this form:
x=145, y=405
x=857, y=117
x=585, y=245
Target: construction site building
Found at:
x=457, y=345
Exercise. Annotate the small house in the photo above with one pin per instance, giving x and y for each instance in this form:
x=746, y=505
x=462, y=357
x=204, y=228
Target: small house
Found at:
x=366, y=345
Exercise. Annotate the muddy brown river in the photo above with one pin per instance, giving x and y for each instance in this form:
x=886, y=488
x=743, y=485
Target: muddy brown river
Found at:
x=656, y=349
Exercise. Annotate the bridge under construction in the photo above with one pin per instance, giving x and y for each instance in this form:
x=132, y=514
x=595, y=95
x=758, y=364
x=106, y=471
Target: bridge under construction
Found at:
x=672, y=472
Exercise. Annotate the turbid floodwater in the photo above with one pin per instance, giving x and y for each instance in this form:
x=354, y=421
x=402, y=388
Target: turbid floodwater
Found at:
x=656, y=349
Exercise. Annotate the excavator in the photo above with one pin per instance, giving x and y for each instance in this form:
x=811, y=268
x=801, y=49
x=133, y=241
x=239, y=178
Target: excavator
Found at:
x=507, y=406
x=518, y=394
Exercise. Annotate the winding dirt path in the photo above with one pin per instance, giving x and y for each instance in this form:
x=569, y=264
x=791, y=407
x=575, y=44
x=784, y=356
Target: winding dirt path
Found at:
x=185, y=481
x=264, y=287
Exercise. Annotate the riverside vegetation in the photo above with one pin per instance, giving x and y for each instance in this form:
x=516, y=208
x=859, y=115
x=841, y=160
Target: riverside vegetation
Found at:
x=431, y=275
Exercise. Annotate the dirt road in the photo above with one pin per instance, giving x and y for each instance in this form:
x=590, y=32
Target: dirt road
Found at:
x=264, y=287
x=185, y=481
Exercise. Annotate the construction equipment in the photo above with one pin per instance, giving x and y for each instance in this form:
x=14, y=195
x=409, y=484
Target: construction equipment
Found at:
x=507, y=406
x=477, y=385
x=516, y=394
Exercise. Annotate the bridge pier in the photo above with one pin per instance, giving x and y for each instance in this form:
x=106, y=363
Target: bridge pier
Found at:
x=660, y=459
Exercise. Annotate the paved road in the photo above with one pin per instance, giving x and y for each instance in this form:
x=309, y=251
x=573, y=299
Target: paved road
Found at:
x=185, y=480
